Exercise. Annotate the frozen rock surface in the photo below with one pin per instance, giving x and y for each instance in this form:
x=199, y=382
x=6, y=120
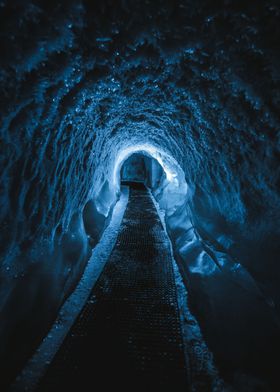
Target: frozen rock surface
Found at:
x=193, y=83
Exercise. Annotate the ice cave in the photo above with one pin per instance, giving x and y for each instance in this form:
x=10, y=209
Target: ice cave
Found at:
x=139, y=195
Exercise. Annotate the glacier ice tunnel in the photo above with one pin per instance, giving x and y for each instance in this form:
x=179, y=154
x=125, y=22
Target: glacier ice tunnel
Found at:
x=139, y=195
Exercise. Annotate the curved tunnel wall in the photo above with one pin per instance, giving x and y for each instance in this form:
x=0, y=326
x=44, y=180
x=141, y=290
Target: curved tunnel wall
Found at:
x=82, y=81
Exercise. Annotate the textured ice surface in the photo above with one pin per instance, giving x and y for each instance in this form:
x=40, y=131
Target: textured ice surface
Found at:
x=202, y=372
x=83, y=82
x=37, y=365
x=223, y=294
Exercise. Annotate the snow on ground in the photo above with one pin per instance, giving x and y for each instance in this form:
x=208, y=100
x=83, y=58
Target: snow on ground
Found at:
x=38, y=364
x=202, y=371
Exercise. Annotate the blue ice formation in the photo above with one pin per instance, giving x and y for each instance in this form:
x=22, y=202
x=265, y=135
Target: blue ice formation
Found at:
x=191, y=85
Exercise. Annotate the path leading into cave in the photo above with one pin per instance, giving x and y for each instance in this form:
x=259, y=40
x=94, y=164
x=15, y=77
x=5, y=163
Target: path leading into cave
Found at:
x=128, y=334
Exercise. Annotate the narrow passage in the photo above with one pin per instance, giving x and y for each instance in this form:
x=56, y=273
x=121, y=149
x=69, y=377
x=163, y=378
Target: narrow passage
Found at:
x=128, y=335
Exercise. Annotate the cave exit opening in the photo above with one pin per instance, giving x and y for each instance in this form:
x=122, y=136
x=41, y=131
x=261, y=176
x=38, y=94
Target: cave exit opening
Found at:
x=140, y=168
x=158, y=170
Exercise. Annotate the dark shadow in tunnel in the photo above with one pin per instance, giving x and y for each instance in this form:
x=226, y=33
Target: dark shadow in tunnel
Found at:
x=141, y=169
x=134, y=169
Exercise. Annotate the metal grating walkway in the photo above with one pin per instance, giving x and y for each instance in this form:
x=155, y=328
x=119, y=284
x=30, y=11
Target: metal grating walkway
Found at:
x=128, y=335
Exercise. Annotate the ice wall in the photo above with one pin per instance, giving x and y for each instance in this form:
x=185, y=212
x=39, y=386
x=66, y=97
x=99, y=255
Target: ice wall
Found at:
x=82, y=81
x=239, y=321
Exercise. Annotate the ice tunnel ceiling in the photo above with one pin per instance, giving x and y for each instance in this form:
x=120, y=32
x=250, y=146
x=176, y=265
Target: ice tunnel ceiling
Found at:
x=84, y=84
x=86, y=79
